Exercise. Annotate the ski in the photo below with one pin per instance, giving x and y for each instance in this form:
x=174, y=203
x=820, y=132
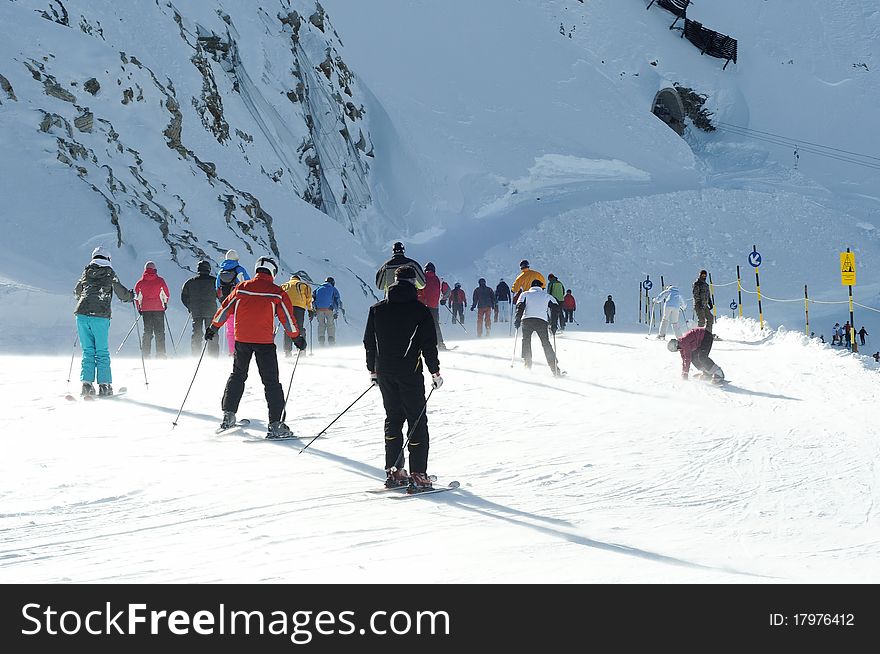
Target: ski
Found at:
x=265, y=439
x=385, y=489
x=244, y=422
x=447, y=348
x=452, y=485
x=91, y=398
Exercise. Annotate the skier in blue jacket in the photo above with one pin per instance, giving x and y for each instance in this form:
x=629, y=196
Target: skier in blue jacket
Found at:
x=327, y=304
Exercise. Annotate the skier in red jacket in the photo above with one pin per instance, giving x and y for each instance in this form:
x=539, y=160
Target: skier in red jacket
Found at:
x=151, y=298
x=695, y=346
x=569, y=306
x=430, y=297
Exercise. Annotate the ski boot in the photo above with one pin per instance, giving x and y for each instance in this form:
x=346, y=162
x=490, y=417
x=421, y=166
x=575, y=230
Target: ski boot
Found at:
x=229, y=420
x=419, y=482
x=278, y=430
x=87, y=389
x=396, y=477
x=105, y=390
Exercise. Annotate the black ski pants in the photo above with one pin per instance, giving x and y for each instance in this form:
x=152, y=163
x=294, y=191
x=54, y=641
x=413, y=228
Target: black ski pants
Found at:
x=299, y=314
x=200, y=325
x=435, y=314
x=458, y=310
x=154, y=326
x=609, y=318
x=267, y=364
x=569, y=315
x=404, y=398
x=704, y=318
x=529, y=327
x=700, y=357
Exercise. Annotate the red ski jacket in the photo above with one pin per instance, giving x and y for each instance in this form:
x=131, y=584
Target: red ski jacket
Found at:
x=688, y=344
x=151, y=292
x=256, y=302
x=457, y=296
x=430, y=294
x=569, y=303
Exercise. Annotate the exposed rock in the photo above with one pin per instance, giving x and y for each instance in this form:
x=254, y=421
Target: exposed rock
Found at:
x=7, y=87
x=58, y=15
x=85, y=122
x=127, y=96
x=57, y=91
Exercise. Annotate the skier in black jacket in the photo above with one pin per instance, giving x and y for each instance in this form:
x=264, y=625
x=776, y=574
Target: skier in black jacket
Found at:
x=400, y=331
x=502, y=301
x=199, y=296
x=385, y=274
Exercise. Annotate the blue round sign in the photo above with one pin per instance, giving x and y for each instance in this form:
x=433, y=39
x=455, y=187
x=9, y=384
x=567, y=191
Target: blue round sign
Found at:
x=733, y=305
x=754, y=258
x=647, y=284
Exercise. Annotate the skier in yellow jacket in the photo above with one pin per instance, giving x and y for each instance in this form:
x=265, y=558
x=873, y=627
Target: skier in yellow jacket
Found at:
x=523, y=281
x=300, y=294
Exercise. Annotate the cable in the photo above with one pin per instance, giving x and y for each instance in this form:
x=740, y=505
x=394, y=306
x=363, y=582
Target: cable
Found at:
x=749, y=129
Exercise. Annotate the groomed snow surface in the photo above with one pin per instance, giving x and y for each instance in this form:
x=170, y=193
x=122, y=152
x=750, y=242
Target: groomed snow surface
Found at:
x=618, y=472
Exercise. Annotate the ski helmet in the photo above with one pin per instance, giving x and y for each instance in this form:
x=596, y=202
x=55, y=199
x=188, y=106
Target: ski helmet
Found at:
x=429, y=267
x=149, y=266
x=232, y=254
x=524, y=263
x=672, y=345
x=100, y=253
x=398, y=248
x=330, y=281
x=268, y=264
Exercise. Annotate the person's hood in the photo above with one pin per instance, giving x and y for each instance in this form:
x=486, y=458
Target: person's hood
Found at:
x=150, y=273
x=402, y=292
x=98, y=271
x=483, y=283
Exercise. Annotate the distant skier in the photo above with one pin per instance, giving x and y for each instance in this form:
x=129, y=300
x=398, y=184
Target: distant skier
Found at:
x=94, y=292
x=569, y=306
x=430, y=297
x=385, y=274
x=300, y=294
x=327, y=303
x=695, y=346
x=847, y=334
x=703, y=302
x=254, y=304
x=484, y=300
x=151, y=298
x=609, y=310
x=230, y=274
x=532, y=312
x=502, y=301
x=862, y=333
x=199, y=296
x=836, y=334
x=457, y=302
x=400, y=332
x=557, y=290
x=673, y=306
x=523, y=281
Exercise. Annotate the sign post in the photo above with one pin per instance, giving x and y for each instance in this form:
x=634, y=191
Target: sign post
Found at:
x=647, y=285
x=807, y=309
x=848, y=279
x=739, y=292
x=755, y=262
x=733, y=306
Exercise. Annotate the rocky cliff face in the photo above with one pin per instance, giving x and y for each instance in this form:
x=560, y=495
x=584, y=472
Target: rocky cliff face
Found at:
x=198, y=127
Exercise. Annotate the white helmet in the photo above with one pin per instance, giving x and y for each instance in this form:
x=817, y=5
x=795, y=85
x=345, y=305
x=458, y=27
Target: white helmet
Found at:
x=232, y=254
x=266, y=263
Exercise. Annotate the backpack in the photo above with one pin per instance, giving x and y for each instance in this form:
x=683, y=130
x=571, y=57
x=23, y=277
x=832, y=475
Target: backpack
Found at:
x=227, y=282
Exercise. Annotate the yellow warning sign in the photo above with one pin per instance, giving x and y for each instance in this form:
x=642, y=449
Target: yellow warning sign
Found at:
x=848, y=268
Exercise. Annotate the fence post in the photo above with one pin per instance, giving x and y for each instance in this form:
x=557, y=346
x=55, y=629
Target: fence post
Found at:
x=739, y=292
x=807, y=309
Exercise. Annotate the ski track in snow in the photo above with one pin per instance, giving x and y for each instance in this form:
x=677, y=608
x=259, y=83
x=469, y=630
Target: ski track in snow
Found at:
x=629, y=474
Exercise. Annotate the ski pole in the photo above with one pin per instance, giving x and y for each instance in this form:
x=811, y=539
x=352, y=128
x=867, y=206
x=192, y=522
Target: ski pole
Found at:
x=453, y=319
x=204, y=347
x=336, y=418
x=183, y=331
x=284, y=410
x=170, y=335
x=311, y=348
x=72, y=354
x=397, y=459
x=513, y=356
x=140, y=340
x=131, y=329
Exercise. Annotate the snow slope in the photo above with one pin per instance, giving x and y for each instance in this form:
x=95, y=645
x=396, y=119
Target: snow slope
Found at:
x=595, y=477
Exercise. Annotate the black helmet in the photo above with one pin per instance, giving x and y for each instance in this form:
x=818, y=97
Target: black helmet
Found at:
x=331, y=280
x=537, y=282
x=204, y=266
x=398, y=248
x=481, y=281
x=457, y=285
x=609, y=297
x=429, y=267
x=524, y=263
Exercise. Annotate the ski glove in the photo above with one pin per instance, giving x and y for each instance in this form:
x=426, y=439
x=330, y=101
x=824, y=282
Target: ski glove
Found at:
x=300, y=343
x=209, y=333
x=443, y=302
x=436, y=381
x=472, y=308
x=374, y=378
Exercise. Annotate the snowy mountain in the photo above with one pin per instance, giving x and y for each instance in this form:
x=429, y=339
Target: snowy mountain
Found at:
x=479, y=133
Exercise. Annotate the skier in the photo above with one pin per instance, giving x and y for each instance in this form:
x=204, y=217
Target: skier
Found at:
x=557, y=290
x=532, y=313
x=569, y=306
x=400, y=332
x=385, y=274
x=151, y=298
x=251, y=305
x=523, y=281
x=300, y=294
x=502, y=301
x=430, y=297
x=609, y=310
x=673, y=306
x=835, y=334
x=230, y=274
x=847, y=334
x=199, y=297
x=483, y=299
x=703, y=302
x=94, y=292
x=862, y=333
x=695, y=346
x=327, y=304
x=457, y=302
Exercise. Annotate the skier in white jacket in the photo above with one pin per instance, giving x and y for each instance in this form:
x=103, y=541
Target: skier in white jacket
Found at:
x=673, y=305
x=533, y=313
